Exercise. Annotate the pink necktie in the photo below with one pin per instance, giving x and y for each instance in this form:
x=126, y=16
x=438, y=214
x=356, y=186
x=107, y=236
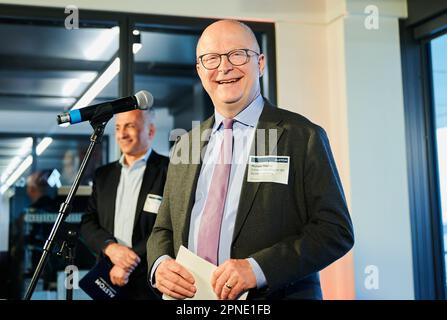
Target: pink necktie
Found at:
x=209, y=230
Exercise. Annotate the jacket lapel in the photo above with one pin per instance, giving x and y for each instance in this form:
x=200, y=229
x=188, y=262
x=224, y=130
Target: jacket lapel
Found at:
x=112, y=186
x=268, y=120
x=150, y=173
x=191, y=175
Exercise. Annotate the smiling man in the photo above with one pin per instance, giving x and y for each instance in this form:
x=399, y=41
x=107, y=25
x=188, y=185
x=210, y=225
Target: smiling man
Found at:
x=232, y=78
x=269, y=222
x=122, y=208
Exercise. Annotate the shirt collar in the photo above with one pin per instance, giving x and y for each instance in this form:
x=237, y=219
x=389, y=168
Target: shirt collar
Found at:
x=142, y=159
x=249, y=116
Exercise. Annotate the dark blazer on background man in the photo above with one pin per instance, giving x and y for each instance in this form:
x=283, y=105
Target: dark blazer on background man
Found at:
x=98, y=221
x=292, y=230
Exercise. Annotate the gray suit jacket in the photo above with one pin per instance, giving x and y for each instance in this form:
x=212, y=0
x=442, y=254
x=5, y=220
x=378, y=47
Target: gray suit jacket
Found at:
x=292, y=230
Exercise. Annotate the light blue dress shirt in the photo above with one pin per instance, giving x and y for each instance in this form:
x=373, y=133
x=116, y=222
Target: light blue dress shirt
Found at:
x=127, y=194
x=244, y=128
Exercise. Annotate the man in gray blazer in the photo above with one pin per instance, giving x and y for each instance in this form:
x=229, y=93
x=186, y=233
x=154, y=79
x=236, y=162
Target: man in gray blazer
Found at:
x=271, y=217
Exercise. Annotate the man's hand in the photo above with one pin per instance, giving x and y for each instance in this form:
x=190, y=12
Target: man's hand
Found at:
x=122, y=256
x=174, y=280
x=119, y=276
x=232, y=278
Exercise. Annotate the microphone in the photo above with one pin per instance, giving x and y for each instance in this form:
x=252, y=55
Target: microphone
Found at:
x=142, y=100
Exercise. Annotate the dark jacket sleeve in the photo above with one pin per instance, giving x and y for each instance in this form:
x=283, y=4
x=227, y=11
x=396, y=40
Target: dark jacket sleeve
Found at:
x=157, y=188
x=92, y=233
x=160, y=241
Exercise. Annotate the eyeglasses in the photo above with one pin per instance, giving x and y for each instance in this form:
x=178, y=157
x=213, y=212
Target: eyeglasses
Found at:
x=237, y=57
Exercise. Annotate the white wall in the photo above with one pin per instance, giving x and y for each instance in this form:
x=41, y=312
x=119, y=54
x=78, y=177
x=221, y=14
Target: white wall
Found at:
x=347, y=79
x=379, y=191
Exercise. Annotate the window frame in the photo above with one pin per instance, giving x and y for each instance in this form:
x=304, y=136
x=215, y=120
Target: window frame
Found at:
x=425, y=206
x=126, y=21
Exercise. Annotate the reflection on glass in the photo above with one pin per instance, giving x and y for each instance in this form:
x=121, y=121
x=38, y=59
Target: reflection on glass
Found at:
x=439, y=62
x=41, y=181
x=169, y=73
x=46, y=69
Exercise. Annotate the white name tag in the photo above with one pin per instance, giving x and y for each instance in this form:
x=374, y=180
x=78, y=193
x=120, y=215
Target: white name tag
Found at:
x=268, y=169
x=152, y=203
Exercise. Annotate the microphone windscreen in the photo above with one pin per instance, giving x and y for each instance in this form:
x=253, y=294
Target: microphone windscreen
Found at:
x=145, y=100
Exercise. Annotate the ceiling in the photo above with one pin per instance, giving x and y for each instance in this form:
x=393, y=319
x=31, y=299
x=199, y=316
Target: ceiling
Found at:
x=39, y=67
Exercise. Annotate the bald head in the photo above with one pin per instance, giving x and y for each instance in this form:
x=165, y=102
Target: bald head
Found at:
x=231, y=86
x=224, y=28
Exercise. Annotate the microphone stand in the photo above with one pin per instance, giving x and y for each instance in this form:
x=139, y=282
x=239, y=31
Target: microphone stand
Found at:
x=98, y=122
x=68, y=252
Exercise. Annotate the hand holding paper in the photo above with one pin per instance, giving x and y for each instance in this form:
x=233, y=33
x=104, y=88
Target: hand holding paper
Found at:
x=174, y=280
x=202, y=272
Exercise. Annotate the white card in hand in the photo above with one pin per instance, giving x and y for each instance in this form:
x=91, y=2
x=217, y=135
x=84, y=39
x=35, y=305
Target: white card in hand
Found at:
x=202, y=271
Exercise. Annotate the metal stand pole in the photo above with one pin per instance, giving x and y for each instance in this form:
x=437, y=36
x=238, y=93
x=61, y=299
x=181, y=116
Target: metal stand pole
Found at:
x=65, y=208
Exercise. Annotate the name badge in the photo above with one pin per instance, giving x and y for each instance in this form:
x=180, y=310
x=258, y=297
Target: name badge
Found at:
x=268, y=169
x=152, y=203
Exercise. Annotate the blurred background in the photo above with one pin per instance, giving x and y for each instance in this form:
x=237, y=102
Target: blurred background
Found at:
x=372, y=73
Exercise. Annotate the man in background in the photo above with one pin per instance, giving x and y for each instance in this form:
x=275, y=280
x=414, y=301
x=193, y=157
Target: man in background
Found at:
x=37, y=189
x=124, y=203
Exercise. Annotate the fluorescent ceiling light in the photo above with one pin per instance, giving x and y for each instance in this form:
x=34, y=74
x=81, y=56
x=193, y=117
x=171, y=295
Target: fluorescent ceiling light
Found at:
x=88, y=76
x=86, y=98
x=24, y=150
x=24, y=165
x=43, y=145
x=10, y=168
x=26, y=147
x=136, y=47
x=101, y=43
x=19, y=171
x=70, y=86
x=99, y=85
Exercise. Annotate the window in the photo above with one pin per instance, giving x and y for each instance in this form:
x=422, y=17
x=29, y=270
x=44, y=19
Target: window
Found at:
x=424, y=66
x=46, y=69
x=169, y=73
